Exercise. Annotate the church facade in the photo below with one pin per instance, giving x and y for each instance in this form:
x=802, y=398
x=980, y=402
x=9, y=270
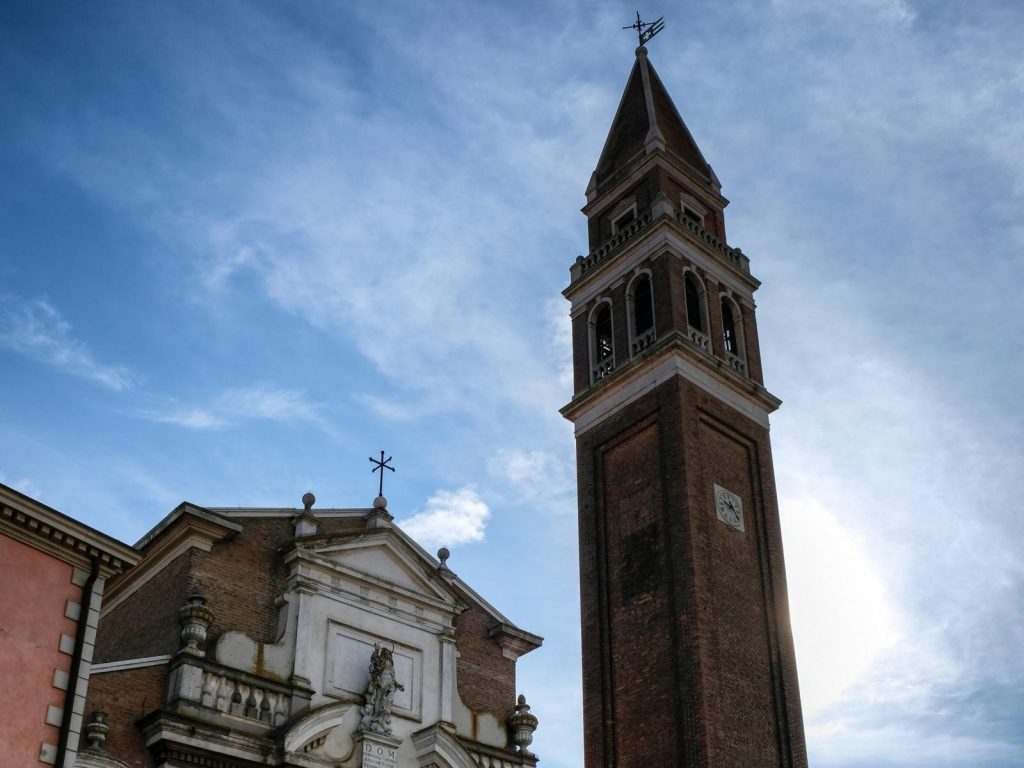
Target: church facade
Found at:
x=301, y=637
x=688, y=655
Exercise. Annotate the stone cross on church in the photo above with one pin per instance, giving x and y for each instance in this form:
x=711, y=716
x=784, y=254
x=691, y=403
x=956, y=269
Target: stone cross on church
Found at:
x=687, y=649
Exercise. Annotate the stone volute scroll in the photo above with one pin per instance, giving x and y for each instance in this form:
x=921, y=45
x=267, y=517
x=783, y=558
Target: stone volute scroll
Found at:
x=380, y=692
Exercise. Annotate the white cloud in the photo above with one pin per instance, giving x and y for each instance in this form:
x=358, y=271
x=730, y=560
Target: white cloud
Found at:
x=190, y=418
x=839, y=742
x=234, y=405
x=37, y=330
x=269, y=403
x=450, y=518
x=842, y=614
x=536, y=475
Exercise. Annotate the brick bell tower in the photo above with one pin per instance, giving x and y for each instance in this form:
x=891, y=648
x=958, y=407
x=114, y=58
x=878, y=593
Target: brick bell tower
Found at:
x=687, y=649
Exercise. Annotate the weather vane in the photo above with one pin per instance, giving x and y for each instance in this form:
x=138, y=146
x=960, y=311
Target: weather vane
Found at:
x=382, y=464
x=646, y=30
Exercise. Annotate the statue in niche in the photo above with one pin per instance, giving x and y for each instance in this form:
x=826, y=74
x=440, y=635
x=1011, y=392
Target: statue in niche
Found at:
x=380, y=691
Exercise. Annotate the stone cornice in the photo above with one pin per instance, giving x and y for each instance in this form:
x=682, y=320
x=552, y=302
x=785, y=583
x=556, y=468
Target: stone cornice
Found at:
x=186, y=527
x=44, y=528
x=514, y=642
x=664, y=229
x=640, y=165
x=671, y=355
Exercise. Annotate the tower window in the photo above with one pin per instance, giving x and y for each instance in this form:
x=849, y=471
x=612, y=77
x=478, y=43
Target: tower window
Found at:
x=732, y=335
x=624, y=220
x=603, y=334
x=694, y=303
x=640, y=313
x=623, y=215
x=602, y=346
x=643, y=306
x=729, y=328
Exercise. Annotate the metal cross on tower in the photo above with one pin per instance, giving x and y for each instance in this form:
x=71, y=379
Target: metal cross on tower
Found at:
x=646, y=30
x=382, y=464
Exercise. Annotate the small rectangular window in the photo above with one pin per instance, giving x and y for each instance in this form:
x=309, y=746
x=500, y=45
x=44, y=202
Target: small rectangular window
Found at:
x=624, y=220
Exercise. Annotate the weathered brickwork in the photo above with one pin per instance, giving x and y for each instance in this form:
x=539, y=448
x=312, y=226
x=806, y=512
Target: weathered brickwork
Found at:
x=146, y=623
x=486, y=679
x=125, y=697
x=687, y=652
x=243, y=576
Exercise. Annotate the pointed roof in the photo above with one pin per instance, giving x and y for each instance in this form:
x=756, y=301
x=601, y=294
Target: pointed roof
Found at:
x=647, y=121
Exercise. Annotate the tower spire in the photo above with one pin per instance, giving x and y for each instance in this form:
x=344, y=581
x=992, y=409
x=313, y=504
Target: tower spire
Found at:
x=646, y=122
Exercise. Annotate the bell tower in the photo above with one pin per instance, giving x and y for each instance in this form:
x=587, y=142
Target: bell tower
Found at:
x=687, y=649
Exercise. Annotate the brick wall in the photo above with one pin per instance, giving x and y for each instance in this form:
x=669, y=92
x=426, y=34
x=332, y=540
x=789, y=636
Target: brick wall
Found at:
x=146, y=623
x=126, y=696
x=240, y=578
x=486, y=679
x=687, y=654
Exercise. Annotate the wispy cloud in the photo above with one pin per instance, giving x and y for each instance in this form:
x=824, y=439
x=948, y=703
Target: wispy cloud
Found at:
x=449, y=518
x=235, y=405
x=534, y=475
x=36, y=329
x=23, y=484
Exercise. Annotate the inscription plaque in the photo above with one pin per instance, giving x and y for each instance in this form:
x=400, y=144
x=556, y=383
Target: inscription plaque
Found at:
x=379, y=755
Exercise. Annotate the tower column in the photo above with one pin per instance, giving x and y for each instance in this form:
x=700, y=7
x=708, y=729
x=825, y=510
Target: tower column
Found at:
x=687, y=652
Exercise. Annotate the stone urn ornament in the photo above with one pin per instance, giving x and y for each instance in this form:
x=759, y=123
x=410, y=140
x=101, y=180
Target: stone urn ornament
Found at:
x=521, y=726
x=195, y=620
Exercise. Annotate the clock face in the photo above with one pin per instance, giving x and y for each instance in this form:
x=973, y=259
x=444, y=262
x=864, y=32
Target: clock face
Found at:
x=729, y=507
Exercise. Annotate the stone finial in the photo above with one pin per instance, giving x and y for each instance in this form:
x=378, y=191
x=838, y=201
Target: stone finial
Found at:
x=379, y=517
x=306, y=523
x=195, y=620
x=521, y=726
x=96, y=731
x=443, y=554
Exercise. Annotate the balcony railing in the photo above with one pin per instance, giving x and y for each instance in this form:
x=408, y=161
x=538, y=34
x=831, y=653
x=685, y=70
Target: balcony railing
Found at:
x=734, y=256
x=603, y=368
x=699, y=339
x=642, y=341
x=612, y=244
x=229, y=691
x=736, y=363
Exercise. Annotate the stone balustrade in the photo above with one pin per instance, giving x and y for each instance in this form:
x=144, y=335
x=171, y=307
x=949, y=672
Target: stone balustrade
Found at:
x=603, y=368
x=736, y=363
x=205, y=686
x=490, y=759
x=699, y=339
x=643, y=341
x=221, y=692
x=734, y=256
x=612, y=244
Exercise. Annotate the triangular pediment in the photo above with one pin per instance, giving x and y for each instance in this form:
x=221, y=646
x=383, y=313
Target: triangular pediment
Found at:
x=382, y=558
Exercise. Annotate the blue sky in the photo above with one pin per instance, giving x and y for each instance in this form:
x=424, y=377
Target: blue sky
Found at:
x=245, y=246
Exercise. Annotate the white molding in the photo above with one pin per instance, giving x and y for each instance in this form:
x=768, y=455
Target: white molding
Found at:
x=656, y=237
x=673, y=364
x=43, y=528
x=126, y=664
x=288, y=513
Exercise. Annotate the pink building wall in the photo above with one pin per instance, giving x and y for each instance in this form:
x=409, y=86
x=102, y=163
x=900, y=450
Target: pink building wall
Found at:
x=35, y=589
